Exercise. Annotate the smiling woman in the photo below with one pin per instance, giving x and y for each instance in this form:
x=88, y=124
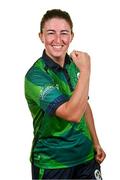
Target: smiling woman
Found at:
x=58, y=100
x=56, y=36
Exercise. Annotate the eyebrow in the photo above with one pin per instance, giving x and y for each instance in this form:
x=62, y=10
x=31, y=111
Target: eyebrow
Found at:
x=50, y=30
x=67, y=31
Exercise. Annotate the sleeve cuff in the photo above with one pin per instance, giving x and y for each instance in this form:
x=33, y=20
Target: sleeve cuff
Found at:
x=56, y=103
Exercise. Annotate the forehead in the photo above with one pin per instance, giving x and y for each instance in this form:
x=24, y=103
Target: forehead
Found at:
x=56, y=23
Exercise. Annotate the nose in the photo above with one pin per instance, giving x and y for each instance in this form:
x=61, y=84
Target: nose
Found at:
x=58, y=38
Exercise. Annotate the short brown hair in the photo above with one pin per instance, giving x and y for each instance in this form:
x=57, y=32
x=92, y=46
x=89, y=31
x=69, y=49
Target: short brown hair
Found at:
x=53, y=14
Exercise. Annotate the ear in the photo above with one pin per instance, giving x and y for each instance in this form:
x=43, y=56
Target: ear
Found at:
x=41, y=37
x=72, y=36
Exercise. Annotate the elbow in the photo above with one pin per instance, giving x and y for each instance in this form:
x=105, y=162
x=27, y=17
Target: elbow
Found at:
x=74, y=118
x=71, y=114
x=77, y=115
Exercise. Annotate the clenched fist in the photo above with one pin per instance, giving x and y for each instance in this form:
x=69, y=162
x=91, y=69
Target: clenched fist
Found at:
x=81, y=59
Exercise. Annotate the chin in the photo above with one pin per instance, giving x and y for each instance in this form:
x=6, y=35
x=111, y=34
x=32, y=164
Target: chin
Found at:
x=57, y=54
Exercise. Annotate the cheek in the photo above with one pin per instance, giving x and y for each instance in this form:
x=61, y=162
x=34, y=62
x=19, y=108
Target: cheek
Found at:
x=67, y=40
x=47, y=40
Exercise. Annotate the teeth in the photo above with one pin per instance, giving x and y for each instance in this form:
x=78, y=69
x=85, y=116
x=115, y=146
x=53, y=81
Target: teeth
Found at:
x=57, y=46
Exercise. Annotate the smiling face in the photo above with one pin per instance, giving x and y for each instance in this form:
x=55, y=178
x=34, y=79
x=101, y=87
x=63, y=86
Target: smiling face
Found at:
x=56, y=36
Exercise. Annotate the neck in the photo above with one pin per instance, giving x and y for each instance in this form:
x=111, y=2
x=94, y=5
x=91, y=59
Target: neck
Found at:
x=58, y=60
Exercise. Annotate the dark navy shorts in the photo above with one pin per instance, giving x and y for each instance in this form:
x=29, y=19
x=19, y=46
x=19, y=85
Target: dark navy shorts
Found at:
x=89, y=170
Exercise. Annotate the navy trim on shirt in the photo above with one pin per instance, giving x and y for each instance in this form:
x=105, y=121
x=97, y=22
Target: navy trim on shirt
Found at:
x=52, y=64
x=56, y=103
x=56, y=67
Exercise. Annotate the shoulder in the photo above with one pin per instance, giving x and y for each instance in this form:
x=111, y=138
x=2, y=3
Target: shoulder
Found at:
x=37, y=73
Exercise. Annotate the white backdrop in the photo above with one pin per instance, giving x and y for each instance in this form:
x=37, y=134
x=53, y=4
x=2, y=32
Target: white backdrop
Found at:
x=97, y=31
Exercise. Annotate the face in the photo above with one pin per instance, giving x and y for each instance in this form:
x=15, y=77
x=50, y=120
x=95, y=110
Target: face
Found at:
x=56, y=37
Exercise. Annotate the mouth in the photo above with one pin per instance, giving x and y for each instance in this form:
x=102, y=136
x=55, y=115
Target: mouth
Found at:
x=57, y=47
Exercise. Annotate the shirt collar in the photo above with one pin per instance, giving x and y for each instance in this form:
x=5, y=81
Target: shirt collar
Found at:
x=53, y=65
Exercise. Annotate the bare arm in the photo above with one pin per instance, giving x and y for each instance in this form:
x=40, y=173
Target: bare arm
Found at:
x=100, y=154
x=74, y=109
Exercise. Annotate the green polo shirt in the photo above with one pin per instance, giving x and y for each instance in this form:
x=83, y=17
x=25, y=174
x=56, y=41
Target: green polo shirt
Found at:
x=57, y=142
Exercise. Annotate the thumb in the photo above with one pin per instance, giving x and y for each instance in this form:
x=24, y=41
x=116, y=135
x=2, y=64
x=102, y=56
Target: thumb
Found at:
x=73, y=54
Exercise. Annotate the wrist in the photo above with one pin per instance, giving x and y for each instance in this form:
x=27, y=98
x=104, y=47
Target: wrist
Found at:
x=85, y=70
x=97, y=146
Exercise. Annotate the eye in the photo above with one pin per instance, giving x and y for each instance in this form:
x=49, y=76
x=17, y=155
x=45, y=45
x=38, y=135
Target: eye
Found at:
x=65, y=33
x=50, y=32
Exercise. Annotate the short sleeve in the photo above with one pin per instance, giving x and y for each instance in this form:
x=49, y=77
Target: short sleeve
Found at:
x=41, y=88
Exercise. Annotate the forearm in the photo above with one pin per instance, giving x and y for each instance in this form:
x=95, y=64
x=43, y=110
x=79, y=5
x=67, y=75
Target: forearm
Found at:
x=76, y=106
x=91, y=125
x=74, y=109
